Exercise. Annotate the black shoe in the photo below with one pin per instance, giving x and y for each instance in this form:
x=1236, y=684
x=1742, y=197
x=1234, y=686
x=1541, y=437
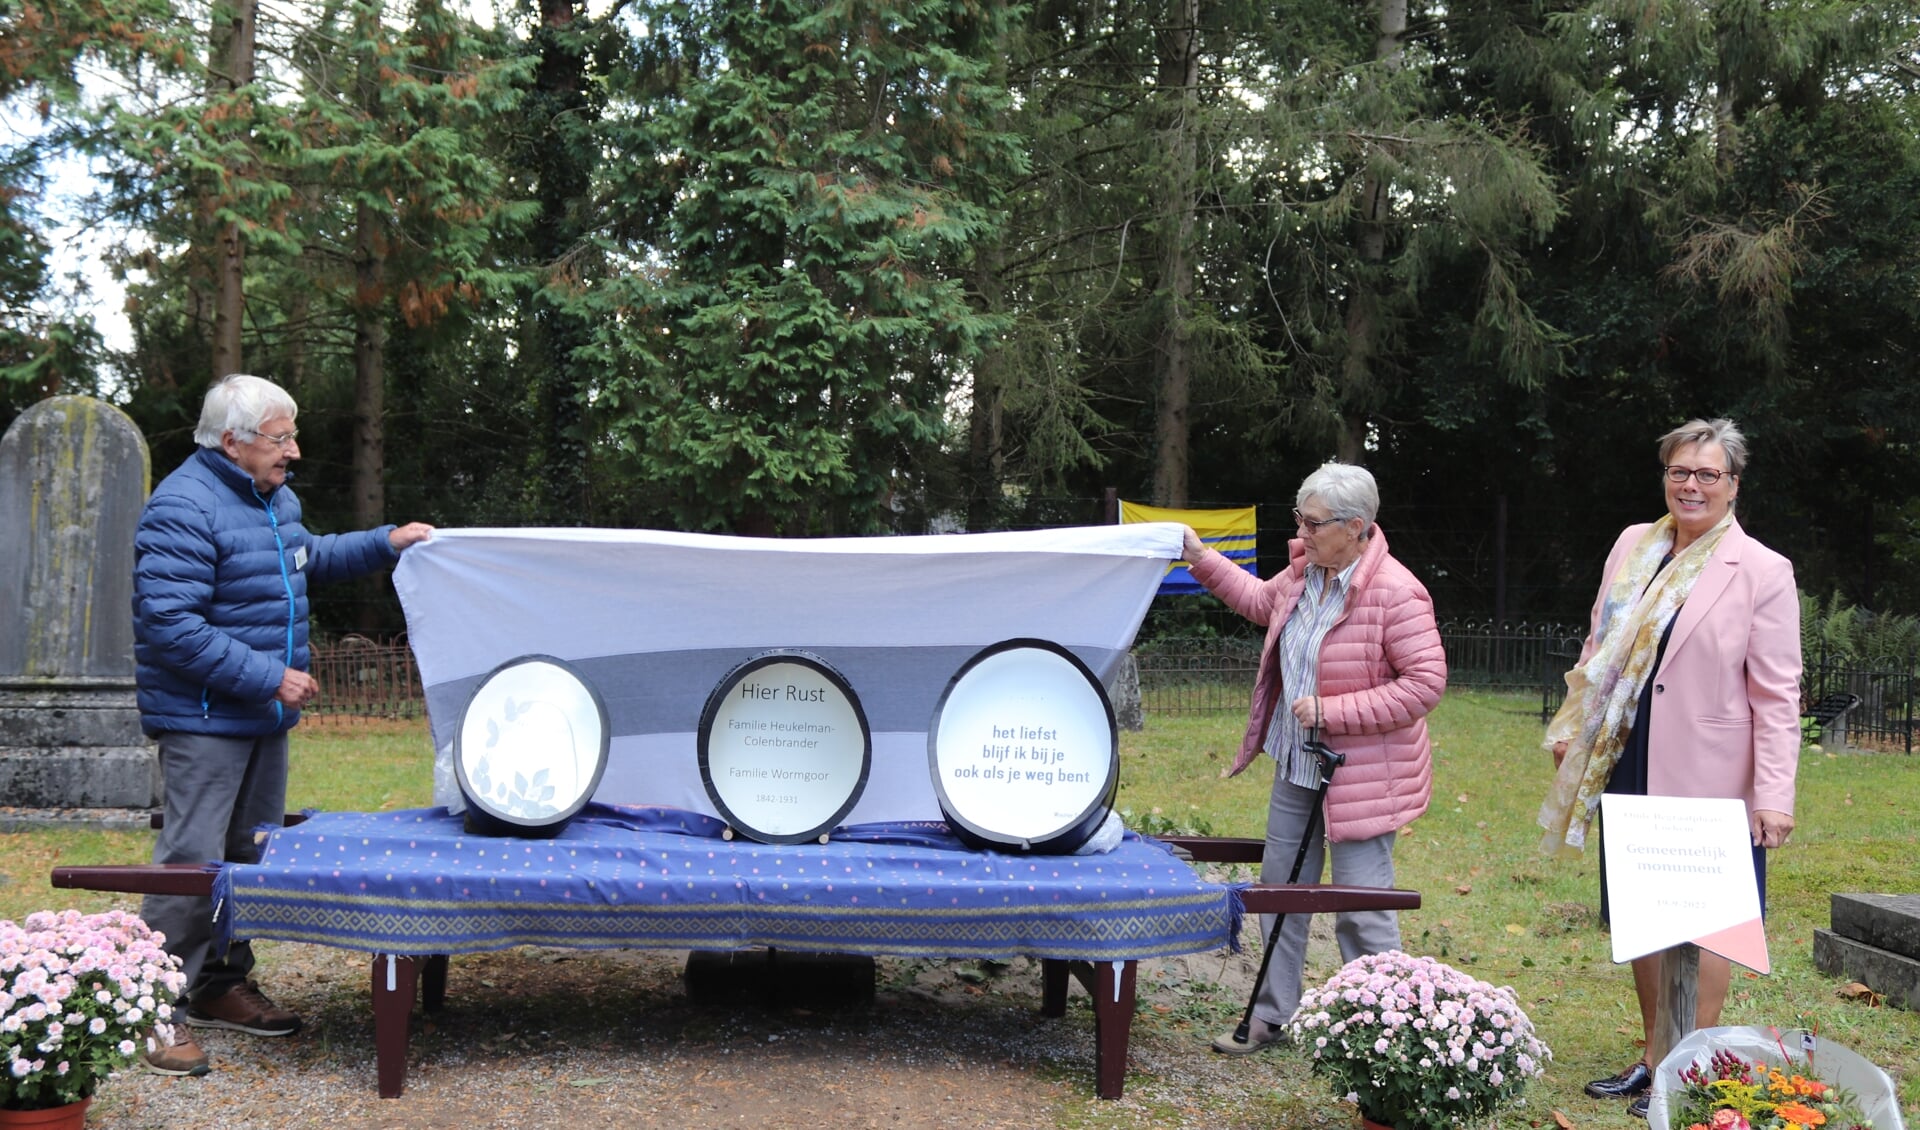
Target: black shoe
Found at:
x=1625, y=1085
x=1638, y=1107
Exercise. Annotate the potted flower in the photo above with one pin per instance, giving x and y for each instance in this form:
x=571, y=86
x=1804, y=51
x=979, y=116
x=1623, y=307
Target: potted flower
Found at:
x=80, y=995
x=1417, y=1044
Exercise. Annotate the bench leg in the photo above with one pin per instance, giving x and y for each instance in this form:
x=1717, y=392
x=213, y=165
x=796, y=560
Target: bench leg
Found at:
x=433, y=983
x=395, y=977
x=1111, y=984
x=1112, y=1025
x=1053, y=987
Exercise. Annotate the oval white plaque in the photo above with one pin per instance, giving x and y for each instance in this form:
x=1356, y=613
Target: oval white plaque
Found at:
x=784, y=747
x=1024, y=750
x=531, y=747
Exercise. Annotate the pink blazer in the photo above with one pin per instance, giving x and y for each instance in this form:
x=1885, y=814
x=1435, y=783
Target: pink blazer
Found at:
x=1726, y=699
x=1382, y=668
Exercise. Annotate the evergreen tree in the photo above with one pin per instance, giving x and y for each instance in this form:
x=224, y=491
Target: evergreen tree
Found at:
x=796, y=199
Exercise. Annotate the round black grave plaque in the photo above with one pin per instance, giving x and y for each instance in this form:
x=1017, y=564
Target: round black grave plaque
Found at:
x=531, y=748
x=784, y=747
x=1023, y=749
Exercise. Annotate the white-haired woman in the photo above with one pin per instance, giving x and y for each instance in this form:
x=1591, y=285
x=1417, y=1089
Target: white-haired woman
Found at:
x=1352, y=657
x=1689, y=685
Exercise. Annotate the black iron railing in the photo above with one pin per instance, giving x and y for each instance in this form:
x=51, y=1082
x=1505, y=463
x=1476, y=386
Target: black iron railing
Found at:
x=1882, y=719
x=365, y=678
x=1188, y=674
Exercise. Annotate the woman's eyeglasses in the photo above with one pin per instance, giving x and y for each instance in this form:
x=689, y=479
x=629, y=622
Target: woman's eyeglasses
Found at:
x=1707, y=475
x=1302, y=522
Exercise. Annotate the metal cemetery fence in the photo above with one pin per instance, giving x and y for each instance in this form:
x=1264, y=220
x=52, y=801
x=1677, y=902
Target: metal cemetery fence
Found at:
x=1883, y=718
x=364, y=678
x=1189, y=674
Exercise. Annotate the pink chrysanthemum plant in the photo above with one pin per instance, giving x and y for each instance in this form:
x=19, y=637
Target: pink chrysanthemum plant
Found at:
x=1416, y=1044
x=80, y=996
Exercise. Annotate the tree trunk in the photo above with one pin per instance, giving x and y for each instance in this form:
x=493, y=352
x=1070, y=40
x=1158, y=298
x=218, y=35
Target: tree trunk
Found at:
x=369, y=374
x=1359, y=376
x=370, y=244
x=229, y=306
x=557, y=332
x=986, y=442
x=1179, y=78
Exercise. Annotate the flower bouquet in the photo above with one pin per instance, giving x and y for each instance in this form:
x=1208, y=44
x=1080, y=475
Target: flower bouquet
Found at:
x=1756, y=1079
x=1417, y=1044
x=80, y=995
x=1731, y=1093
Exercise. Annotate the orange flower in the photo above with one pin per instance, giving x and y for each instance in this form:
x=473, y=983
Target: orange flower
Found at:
x=1800, y=1115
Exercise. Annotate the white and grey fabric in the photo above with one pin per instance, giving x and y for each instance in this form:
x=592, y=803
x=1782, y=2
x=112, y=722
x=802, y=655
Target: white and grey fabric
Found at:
x=655, y=620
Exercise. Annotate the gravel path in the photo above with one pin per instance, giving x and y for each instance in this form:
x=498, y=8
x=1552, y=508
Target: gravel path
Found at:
x=567, y=1038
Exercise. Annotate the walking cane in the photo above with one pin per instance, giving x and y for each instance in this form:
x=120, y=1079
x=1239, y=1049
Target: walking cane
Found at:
x=1329, y=760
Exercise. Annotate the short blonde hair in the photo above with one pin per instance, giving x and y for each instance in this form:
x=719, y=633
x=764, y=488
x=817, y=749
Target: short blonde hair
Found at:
x=1724, y=432
x=240, y=403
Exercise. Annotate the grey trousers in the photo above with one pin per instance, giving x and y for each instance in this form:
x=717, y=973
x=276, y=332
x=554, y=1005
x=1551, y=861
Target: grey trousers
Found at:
x=218, y=791
x=1361, y=863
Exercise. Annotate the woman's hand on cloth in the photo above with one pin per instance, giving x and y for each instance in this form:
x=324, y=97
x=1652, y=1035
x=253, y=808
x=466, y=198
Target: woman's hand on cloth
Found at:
x=1191, y=547
x=1559, y=753
x=1770, y=828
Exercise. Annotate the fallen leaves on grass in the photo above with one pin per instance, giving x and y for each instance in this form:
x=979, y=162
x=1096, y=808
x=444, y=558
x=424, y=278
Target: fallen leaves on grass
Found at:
x=1855, y=991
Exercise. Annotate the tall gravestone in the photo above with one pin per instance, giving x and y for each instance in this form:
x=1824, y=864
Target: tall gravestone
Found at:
x=74, y=474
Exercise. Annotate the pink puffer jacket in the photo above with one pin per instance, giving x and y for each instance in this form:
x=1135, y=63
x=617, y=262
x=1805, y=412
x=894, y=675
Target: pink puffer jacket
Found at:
x=1382, y=668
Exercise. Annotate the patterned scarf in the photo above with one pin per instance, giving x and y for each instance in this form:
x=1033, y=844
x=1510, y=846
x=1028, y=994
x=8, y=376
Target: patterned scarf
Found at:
x=1603, y=694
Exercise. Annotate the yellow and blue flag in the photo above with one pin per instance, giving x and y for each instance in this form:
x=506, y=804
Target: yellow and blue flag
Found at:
x=1229, y=531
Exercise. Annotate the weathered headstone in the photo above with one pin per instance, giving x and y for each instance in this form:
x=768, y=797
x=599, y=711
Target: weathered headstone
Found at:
x=74, y=474
x=1875, y=940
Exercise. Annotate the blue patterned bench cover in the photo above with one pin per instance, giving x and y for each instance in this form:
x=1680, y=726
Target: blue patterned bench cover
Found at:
x=414, y=882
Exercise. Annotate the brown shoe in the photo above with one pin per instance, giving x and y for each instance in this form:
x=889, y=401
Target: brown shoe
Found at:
x=182, y=1057
x=243, y=1008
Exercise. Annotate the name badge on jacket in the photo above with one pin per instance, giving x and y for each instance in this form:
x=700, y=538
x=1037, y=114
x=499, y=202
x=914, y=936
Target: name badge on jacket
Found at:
x=299, y=558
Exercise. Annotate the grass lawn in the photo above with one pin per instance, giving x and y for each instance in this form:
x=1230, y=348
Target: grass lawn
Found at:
x=1494, y=905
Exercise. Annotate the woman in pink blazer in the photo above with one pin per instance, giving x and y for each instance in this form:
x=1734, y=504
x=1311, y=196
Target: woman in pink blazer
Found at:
x=1352, y=657
x=1689, y=685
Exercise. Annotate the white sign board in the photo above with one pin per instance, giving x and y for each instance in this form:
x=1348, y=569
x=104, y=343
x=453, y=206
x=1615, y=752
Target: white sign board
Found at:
x=1680, y=869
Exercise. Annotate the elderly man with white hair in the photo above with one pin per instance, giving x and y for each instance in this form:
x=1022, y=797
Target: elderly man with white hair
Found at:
x=1352, y=658
x=220, y=575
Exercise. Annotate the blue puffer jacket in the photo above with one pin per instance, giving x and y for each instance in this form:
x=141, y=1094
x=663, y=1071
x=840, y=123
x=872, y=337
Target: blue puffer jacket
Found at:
x=220, y=598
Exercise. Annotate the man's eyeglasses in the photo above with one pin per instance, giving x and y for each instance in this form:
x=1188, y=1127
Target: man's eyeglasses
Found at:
x=1707, y=475
x=1302, y=522
x=279, y=441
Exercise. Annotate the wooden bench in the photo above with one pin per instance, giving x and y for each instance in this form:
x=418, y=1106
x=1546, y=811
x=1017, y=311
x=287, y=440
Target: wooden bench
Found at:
x=399, y=979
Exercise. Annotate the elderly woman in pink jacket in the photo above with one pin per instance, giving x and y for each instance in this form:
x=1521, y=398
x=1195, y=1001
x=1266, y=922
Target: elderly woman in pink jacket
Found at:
x=1352, y=657
x=1689, y=686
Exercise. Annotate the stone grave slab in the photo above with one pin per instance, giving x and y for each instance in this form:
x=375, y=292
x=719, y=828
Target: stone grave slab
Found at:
x=1875, y=940
x=74, y=474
